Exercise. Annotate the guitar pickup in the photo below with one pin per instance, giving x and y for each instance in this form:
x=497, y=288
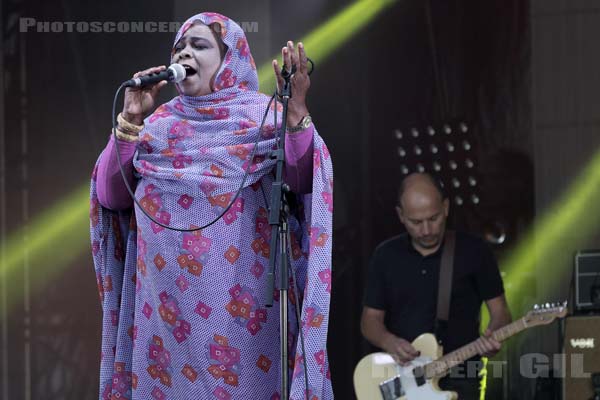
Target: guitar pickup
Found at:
x=391, y=389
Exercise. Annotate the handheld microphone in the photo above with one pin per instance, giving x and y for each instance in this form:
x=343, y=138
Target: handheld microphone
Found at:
x=175, y=73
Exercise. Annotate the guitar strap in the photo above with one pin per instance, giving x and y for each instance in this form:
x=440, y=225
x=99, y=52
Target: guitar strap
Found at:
x=445, y=286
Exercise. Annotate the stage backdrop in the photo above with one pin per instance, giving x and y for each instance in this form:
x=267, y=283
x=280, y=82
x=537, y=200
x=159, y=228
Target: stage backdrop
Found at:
x=522, y=76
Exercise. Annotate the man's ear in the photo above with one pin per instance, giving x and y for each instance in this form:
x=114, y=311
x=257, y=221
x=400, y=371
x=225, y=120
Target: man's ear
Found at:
x=400, y=214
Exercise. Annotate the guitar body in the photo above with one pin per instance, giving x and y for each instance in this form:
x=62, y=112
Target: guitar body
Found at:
x=378, y=377
x=378, y=368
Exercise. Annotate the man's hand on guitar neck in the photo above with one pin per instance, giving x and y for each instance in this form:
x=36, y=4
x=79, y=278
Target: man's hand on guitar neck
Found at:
x=400, y=349
x=486, y=345
x=499, y=317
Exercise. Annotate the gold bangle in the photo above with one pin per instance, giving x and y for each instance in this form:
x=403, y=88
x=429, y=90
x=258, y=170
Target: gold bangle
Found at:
x=126, y=136
x=128, y=127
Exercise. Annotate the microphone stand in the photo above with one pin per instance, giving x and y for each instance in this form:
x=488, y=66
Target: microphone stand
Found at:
x=278, y=219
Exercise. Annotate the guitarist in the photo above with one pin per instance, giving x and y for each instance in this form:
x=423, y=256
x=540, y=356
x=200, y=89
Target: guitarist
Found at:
x=402, y=289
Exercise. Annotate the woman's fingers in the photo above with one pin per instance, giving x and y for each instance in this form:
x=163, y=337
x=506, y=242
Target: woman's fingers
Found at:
x=157, y=87
x=287, y=59
x=293, y=54
x=303, y=60
x=278, y=76
x=150, y=71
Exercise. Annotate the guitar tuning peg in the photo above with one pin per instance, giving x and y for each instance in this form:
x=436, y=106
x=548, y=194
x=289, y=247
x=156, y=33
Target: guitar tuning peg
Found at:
x=547, y=305
x=536, y=307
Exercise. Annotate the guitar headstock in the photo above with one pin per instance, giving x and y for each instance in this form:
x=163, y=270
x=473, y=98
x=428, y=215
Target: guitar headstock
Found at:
x=545, y=313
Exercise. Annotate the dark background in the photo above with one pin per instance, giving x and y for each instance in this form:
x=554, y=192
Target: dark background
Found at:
x=521, y=74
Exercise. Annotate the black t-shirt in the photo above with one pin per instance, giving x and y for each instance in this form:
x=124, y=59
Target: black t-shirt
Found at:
x=405, y=284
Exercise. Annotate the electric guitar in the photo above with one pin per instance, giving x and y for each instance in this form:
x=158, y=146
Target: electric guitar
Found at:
x=378, y=377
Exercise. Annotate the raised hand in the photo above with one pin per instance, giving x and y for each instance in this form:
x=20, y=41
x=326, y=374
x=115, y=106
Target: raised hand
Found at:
x=299, y=81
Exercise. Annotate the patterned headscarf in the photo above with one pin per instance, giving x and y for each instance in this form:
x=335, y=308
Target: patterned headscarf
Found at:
x=221, y=125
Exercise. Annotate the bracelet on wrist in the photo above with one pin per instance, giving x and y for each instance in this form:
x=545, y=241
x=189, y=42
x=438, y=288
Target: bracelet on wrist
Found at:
x=126, y=136
x=127, y=127
x=302, y=125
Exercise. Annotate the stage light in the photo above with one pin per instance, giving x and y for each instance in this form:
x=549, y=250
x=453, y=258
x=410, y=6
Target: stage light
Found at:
x=494, y=232
x=474, y=199
x=469, y=163
x=472, y=181
x=422, y=151
x=463, y=127
x=404, y=169
x=458, y=200
x=466, y=145
x=398, y=134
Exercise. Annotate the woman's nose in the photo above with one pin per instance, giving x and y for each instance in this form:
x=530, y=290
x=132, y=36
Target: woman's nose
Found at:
x=184, y=54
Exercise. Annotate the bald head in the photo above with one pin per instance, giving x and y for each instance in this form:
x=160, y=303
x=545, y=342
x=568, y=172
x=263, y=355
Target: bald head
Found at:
x=423, y=209
x=420, y=185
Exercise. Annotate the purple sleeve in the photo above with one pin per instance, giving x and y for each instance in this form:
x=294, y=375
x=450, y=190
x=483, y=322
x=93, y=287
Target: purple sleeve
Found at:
x=299, y=160
x=112, y=193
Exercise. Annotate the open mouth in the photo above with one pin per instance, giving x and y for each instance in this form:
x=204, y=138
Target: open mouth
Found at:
x=189, y=70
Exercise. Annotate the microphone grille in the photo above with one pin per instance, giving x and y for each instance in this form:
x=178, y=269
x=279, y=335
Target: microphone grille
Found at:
x=178, y=72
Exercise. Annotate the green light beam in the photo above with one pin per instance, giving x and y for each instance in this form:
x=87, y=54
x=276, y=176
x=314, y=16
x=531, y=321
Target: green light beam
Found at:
x=565, y=226
x=321, y=42
x=54, y=239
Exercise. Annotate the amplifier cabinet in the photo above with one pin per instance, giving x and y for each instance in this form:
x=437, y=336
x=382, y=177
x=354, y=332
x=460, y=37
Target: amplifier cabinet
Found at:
x=587, y=275
x=581, y=348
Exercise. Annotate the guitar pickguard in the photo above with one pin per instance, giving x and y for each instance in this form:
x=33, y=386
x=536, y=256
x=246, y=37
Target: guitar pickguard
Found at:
x=416, y=388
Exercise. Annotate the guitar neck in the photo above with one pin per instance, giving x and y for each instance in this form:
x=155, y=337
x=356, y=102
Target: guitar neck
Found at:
x=441, y=366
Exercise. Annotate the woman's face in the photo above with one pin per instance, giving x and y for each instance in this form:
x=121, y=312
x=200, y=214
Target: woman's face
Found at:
x=198, y=51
